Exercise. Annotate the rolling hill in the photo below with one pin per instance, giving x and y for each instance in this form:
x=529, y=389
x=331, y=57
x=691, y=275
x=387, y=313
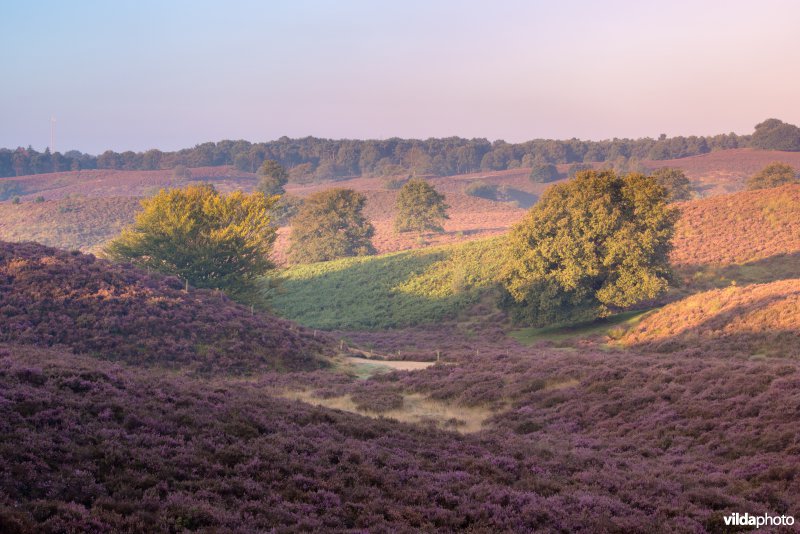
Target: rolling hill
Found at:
x=52, y=297
x=712, y=174
x=755, y=320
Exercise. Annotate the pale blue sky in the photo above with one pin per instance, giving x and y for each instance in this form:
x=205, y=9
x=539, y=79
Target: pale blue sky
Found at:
x=170, y=74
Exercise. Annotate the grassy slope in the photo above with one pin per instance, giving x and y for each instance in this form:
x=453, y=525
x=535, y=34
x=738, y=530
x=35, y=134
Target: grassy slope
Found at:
x=749, y=237
x=388, y=291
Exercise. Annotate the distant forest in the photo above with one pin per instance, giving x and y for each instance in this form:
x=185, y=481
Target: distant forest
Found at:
x=312, y=158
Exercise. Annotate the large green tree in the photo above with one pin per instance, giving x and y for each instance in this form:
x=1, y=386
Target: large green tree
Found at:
x=773, y=175
x=272, y=178
x=420, y=208
x=329, y=225
x=675, y=182
x=207, y=238
x=596, y=244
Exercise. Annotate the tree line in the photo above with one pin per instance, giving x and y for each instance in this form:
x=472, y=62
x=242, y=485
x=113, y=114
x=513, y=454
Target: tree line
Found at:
x=311, y=158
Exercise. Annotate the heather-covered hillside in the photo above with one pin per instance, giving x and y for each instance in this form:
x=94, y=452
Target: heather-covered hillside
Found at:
x=78, y=223
x=52, y=297
x=758, y=319
x=738, y=228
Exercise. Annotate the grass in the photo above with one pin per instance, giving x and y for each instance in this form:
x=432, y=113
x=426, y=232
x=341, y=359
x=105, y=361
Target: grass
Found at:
x=388, y=291
x=613, y=326
x=416, y=408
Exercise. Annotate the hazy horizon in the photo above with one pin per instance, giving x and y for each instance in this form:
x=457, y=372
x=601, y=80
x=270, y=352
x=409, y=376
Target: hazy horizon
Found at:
x=145, y=75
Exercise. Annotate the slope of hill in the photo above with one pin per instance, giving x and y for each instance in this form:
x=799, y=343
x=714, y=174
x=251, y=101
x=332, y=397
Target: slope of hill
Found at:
x=738, y=228
x=51, y=297
x=759, y=319
x=69, y=223
x=725, y=171
x=387, y=291
x=113, y=183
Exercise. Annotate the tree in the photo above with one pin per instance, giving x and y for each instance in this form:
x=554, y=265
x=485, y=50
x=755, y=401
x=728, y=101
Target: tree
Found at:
x=543, y=173
x=594, y=245
x=329, y=225
x=420, y=208
x=575, y=168
x=209, y=239
x=773, y=175
x=272, y=178
x=773, y=134
x=675, y=182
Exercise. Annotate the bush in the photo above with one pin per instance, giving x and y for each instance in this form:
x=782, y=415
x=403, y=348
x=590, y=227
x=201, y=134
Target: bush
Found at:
x=543, y=173
x=675, y=182
x=272, y=178
x=773, y=175
x=482, y=190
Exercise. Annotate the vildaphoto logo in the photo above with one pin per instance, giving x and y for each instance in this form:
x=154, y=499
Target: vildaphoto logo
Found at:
x=758, y=521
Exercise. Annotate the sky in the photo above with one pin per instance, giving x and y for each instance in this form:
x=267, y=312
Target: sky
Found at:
x=135, y=75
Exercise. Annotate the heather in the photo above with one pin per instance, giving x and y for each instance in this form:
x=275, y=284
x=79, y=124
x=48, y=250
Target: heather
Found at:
x=580, y=442
x=77, y=223
x=51, y=297
x=758, y=319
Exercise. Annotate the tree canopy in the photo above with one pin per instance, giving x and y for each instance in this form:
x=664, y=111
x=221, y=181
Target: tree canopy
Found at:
x=593, y=245
x=272, y=178
x=207, y=238
x=420, y=208
x=329, y=225
x=675, y=182
x=543, y=173
x=773, y=134
x=773, y=175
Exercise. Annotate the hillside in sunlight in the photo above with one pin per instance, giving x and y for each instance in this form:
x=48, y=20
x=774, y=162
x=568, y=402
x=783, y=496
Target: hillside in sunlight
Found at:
x=52, y=297
x=758, y=319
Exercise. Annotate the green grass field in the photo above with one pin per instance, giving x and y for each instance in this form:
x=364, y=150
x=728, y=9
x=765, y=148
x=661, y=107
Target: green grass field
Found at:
x=388, y=291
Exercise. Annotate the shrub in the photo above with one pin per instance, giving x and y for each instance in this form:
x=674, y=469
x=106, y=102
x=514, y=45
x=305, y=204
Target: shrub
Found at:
x=675, y=182
x=482, y=190
x=773, y=175
x=543, y=173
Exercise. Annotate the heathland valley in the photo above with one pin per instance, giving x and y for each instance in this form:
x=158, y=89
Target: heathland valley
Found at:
x=402, y=335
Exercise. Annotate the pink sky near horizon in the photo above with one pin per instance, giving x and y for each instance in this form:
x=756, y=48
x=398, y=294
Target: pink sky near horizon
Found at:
x=170, y=75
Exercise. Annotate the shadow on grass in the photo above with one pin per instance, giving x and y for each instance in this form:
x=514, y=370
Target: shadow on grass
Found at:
x=566, y=334
x=367, y=292
x=697, y=278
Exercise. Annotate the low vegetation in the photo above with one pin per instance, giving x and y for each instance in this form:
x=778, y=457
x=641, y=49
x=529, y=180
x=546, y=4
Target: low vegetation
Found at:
x=52, y=297
x=75, y=223
x=755, y=320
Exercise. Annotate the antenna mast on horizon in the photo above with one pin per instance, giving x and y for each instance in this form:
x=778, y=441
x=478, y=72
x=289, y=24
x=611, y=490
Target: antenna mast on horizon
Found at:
x=52, y=135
